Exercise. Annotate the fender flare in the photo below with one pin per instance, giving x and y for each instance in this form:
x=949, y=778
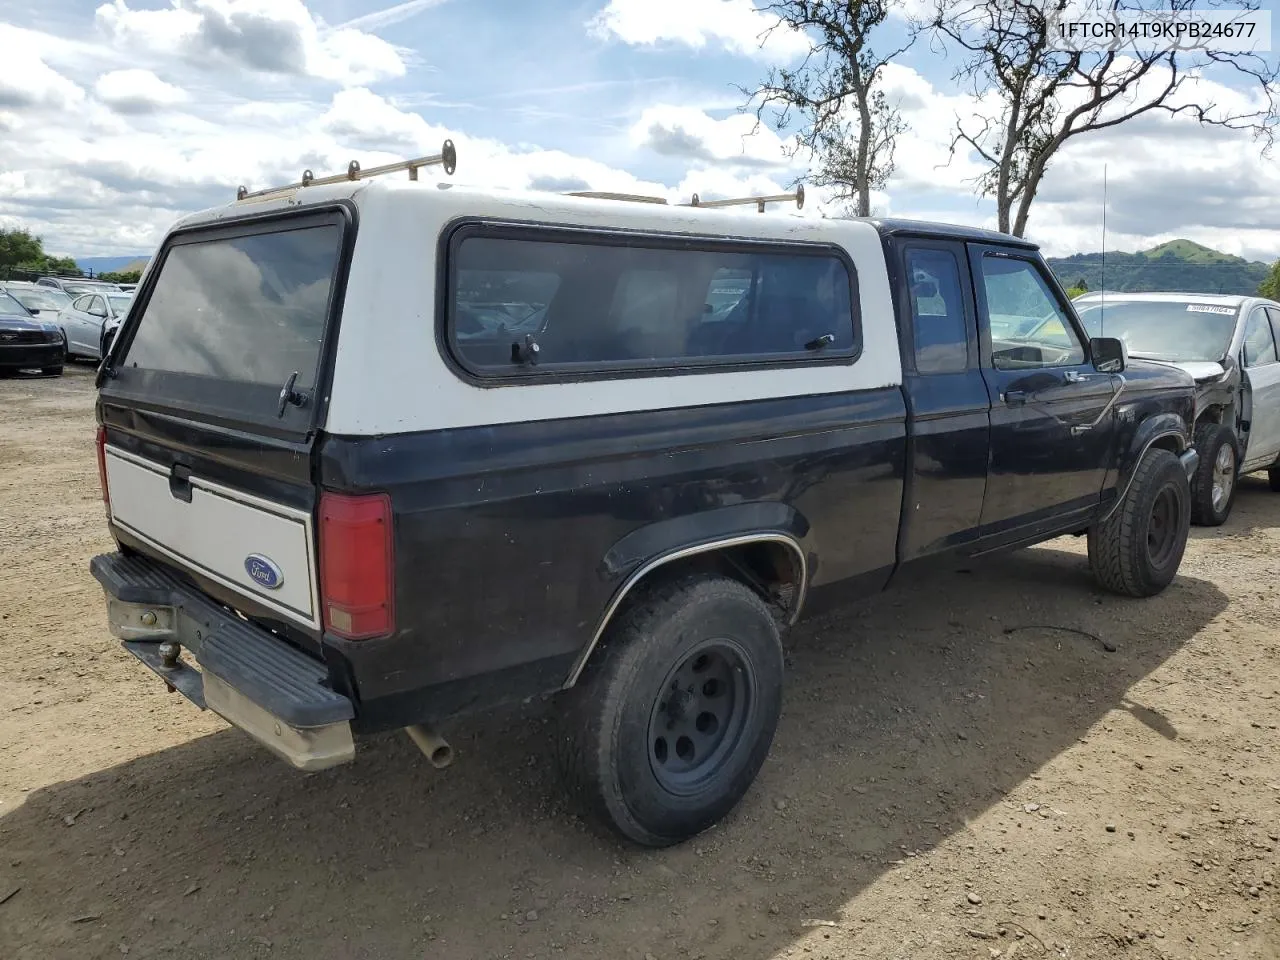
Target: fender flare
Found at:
x=1149, y=432
x=642, y=552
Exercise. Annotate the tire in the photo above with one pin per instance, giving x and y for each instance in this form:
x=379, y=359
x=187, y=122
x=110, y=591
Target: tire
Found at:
x=1273, y=477
x=52, y=371
x=1213, y=488
x=651, y=767
x=1136, y=551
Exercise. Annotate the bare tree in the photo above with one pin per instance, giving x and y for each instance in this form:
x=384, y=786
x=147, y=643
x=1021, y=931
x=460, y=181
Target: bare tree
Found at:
x=1035, y=96
x=833, y=97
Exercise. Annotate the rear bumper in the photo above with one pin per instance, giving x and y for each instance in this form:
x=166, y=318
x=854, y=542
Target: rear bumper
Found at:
x=17, y=356
x=253, y=679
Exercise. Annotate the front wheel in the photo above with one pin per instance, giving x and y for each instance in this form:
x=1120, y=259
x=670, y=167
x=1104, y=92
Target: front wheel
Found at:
x=675, y=714
x=52, y=371
x=1137, y=550
x=1213, y=488
x=1273, y=478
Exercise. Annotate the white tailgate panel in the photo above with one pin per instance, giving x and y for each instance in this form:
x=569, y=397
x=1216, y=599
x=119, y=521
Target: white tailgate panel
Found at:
x=216, y=531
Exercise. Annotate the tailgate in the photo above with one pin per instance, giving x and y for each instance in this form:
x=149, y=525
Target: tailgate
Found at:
x=257, y=548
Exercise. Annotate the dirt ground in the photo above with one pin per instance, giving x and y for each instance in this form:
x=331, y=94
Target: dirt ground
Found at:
x=950, y=779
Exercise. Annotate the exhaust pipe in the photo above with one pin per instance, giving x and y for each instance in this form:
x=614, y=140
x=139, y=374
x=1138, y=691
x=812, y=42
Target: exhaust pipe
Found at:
x=433, y=746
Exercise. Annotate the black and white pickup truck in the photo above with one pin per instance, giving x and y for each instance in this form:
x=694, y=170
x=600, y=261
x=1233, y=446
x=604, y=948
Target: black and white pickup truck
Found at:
x=379, y=452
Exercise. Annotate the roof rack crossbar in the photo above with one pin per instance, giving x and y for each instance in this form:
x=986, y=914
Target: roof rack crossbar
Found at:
x=797, y=197
x=607, y=195
x=447, y=158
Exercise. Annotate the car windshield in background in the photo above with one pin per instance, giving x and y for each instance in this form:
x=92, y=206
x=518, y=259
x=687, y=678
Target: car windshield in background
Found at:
x=229, y=321
x=40, y=299
x=1179, y=330
x=10, y=306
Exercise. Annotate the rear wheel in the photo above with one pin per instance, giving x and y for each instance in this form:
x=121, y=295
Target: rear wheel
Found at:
x=1137, y=550
x=52, y=371
x=1213, y=488
x=675, y=714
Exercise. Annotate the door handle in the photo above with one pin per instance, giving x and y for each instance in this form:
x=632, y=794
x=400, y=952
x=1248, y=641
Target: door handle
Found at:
x=1014, y=397
x=1075, y=376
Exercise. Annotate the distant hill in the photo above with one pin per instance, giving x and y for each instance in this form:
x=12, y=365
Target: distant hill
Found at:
x=1176, y=265
x=109, y=264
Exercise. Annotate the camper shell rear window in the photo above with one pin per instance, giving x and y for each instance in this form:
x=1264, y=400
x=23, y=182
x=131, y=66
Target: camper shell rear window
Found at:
x=235, y=320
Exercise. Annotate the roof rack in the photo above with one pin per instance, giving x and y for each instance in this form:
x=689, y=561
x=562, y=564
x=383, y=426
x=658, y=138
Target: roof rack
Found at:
x=447, y=157
x=798, y=197
x=606, y=195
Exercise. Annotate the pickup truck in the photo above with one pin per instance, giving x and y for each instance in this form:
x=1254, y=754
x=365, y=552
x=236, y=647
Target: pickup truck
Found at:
x=377, y=452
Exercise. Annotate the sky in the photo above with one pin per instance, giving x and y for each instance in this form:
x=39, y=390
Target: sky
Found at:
x=117, y=118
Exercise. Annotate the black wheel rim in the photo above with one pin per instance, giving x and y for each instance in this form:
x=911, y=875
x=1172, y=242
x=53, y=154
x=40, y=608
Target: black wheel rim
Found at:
x=699, y=715
x=1162, y=529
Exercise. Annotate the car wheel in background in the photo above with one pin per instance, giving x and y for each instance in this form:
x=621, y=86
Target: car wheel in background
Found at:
x=1213, y=487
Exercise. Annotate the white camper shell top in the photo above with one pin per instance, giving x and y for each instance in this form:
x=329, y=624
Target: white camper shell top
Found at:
x=390, y=376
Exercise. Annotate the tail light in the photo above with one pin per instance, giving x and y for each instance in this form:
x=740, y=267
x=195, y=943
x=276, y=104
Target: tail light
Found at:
x=102, y=467
x=356, y=568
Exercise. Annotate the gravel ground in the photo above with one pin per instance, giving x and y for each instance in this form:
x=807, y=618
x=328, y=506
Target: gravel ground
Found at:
x=954, y=776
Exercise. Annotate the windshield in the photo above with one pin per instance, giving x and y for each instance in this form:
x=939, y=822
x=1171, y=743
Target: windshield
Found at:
x=41, y=299
x=10, y=306
x=119, y=304
x=1179, y=330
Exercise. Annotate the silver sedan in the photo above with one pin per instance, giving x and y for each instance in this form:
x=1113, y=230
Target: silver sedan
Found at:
x=85, y=320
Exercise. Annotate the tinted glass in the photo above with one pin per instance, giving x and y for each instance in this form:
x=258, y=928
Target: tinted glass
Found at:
x=249, y=309
x=937, y=311
x=36, y=300
x=614, y=306
x=1274, y=314
x=10, y=306
x=1180, y=330
x=1259, y=345
x=1028, y=327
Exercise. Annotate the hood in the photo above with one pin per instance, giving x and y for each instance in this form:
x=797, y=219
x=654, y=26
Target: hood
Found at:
x=10, y=322
x=1200, y=370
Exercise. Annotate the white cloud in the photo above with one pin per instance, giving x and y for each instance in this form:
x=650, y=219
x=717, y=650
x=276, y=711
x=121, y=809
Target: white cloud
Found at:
x=27, y=82
x=379, y=19
x=737, y=25
x=136, y=91
x=269, y=36
x=690, y=134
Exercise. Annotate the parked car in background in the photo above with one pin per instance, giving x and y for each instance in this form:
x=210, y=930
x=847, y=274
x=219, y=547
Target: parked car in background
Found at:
x=91, y=320
x=77, y=285
x=45, y=302
x=1229, y=345
x=27, y=342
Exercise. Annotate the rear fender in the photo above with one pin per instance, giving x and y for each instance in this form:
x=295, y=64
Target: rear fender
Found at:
x=644, y=553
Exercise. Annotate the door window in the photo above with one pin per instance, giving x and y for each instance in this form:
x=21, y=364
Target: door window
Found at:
x=1259, y=344
x=938, y=322
x=1274, y=314
x=82, y=303
x=1028, y=327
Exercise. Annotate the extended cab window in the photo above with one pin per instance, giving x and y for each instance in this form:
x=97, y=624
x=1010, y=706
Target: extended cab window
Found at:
x=1028, y=327
x=938, y=320
x=519, y=305
x=232, y=318
x=1259, y=345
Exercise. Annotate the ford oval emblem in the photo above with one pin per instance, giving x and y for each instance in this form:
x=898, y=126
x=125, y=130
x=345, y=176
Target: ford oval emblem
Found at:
x=263, y=571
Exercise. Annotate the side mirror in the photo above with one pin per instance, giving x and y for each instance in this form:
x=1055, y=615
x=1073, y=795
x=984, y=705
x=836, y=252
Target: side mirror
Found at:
x=1109, y=354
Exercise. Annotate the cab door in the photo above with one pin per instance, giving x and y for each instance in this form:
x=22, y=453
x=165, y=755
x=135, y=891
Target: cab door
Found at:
x=1051, y=432
x=1258, y=356
x=77, y=322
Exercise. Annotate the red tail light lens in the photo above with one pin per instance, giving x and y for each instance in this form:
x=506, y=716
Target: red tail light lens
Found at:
x=102, y=467
x=356, y=565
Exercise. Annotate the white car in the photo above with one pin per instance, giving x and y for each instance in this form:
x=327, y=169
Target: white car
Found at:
x=44, y=302
x=88, y=320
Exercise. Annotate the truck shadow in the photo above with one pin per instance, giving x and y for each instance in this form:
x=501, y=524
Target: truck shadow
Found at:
x=905, y=717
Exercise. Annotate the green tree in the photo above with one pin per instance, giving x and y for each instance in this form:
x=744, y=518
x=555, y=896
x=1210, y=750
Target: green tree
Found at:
x=1270, y=287
x=22, y=252
x=124, y=276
